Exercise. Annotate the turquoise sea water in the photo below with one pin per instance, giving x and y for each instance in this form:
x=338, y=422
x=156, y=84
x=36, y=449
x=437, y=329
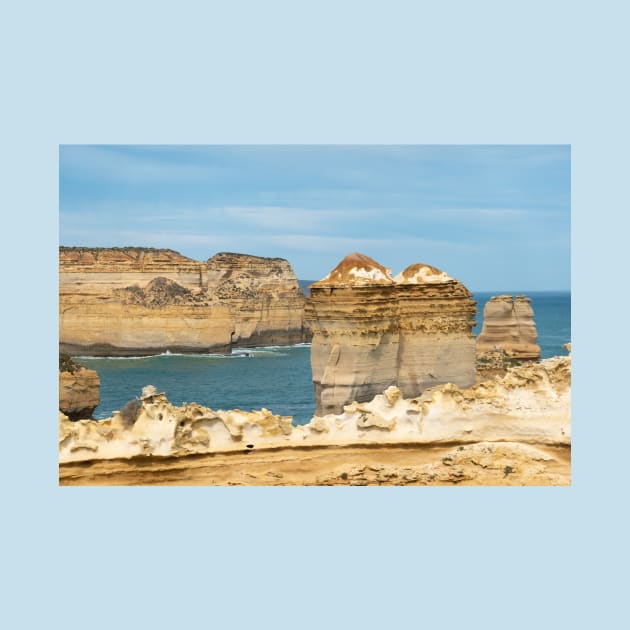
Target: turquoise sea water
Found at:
x=275, y=377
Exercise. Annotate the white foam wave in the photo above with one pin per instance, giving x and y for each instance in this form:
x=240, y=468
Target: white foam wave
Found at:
x=237, y=352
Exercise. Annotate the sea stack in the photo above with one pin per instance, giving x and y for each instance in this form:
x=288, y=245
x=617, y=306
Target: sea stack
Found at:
x=508, y=325
x=354, y=349
x=134, y=300
x=79, y=389
x=371, y=330
x=435, y=318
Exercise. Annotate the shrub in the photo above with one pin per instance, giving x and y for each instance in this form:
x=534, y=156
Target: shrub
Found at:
x=66, y=364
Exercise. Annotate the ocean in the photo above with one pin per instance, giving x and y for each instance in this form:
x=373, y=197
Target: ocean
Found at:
x=275, y=377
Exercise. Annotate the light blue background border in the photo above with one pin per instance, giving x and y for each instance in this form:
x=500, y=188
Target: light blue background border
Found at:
x=279, y=72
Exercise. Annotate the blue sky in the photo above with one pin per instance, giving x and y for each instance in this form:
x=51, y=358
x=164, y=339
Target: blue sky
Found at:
x=495, y=217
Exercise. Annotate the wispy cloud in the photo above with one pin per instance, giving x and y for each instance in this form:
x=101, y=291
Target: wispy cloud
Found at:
x=267, y=218
x=287, y=219
x=120, y=164
x=476, y=213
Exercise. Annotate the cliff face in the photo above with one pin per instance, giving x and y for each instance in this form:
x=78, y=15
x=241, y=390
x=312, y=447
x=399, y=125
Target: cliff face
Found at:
x=371, y=331
x=508, y=325
x=265, y=296
x=141, y=301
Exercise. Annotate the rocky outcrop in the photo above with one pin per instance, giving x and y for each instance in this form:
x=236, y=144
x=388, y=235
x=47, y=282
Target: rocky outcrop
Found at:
x=150, y=425
x=508, y=325
x=371, y=330
x=126, y=301
x=79, y=392
x=512, y=430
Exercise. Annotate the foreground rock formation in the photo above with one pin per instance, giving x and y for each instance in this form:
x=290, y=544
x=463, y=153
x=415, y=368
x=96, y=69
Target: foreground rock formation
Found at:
x=483, y=463
x=79, y=390
x=126, y=301
x=508, y=326
x=512, y=430
x=371, y=330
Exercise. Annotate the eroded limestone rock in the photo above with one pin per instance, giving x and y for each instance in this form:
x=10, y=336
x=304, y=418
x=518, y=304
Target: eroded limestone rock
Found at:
x=371, y=331
x=79, y=393
x=508, y=325
x=529, y=405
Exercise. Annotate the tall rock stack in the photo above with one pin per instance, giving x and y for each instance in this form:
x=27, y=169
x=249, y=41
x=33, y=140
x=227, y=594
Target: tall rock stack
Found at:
x=435, y=318
x=371, y=331
x=354, y=349
x=508, y=325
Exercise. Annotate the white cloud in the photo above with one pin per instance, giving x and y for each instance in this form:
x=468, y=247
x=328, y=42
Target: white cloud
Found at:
x=476, y=213
x=344, y=244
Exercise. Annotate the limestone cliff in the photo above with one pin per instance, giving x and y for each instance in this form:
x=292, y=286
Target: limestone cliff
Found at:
x=508, y=325
x=512, y=430
x=79, y=389
x=264, y=295
x=125, y=301
x=371, y=331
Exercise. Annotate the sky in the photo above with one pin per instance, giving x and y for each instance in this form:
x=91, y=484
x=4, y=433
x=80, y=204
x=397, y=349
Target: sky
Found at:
x=496, y=217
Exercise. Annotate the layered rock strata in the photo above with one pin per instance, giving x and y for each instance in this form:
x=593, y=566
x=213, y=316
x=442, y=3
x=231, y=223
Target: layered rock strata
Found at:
x=508, y=326
x=435, y=321
x=511, y=430
x=142, y=301
x=371, y=330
